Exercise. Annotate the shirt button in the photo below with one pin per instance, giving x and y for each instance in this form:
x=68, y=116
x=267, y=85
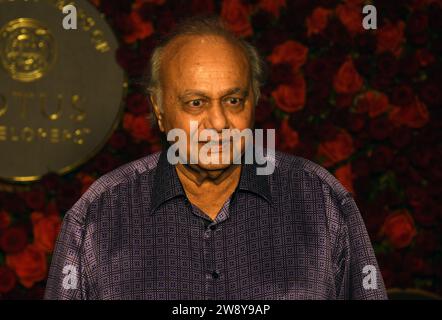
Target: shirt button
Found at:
x=212, y=227
x=215, y=275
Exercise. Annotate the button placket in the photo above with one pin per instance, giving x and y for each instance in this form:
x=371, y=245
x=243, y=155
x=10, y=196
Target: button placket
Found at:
x=209, y=261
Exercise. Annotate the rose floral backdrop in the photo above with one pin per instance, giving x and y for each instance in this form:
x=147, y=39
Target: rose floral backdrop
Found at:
x=364, y=104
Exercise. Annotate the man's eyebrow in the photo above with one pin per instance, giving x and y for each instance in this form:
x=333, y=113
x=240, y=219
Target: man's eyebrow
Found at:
x=245, y=92
x=191, y=92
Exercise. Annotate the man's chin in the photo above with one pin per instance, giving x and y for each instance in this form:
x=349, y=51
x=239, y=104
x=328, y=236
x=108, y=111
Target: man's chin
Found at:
x=214, y=166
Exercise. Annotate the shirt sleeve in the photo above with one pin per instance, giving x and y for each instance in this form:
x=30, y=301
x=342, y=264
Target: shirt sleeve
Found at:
x=360, y=277
x=67, y=276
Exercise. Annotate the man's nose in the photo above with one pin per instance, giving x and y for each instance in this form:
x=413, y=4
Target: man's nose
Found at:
x=216, y=117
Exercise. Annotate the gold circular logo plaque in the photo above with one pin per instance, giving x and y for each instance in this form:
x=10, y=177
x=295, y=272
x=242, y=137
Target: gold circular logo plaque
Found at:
x=27, y=49
x=60, y=88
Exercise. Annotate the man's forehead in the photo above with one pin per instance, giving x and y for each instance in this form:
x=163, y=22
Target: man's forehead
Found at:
x=190, y=50
x=187, y=93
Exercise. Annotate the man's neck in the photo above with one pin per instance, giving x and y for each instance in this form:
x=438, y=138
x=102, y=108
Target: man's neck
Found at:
x=195, y=178
x=208, y=189
x=198, y=176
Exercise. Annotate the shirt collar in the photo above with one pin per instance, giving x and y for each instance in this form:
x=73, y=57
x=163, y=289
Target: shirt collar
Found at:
x=166, y=184
x=252, y=182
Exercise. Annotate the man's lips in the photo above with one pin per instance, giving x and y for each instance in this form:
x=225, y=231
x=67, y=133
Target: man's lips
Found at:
x=214, y=142
x=216, y=145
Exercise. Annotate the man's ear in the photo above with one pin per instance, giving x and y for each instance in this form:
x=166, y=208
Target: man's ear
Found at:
x=157, y=111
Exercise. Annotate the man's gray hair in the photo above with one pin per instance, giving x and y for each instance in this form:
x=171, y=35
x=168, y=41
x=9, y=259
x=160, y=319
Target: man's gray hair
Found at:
x=204, y=26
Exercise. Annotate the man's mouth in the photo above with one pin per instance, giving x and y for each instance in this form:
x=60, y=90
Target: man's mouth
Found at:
x=216, y=146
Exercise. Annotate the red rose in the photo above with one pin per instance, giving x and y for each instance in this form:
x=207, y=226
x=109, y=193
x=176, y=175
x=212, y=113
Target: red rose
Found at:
x=96, y=3
x=137, y=104
x=402, y=95
x=123, y=23
x=52, y=209
x=86, y=181
x=387, y=276
x=291, y=52
x=35, y=199
x=322, y=92
x=321, y=70
x=344, y=100
x=327, y=130
x=291, y=98
x=415, y=115
x=347, y=79
x=29, y=265
x=263, y=109
x=423, y=156
x=427, y=242
x=387, y=64
x=355, y=122
x=345, y=176
x=135, y=28
x=390, y=38
x=417, y=23
x=125, y=55
x=380, y=82
x=317, y=21
x=375, y=103
x=379, y=128
x=35, y=293
x=431, y=94
x=337, y=149
x=165, y=22
x=138, y=127
x=68, y=194
x=5, y=219
x=417, y=196
x=51, y=181
x=400, y=136
x=289, y=137
x=202, y=6
x=381, y=158
x=113, y=8
x=424, y=57
x=105, y=162
x=272, y=6
x=139, y=3
x=46, y=229
x=416, y=264
x=7, y=279
x=350, y=16
x=155, y=147
x=281, y=73
x=409, y=66
x=354, y=2
x=399, y=228
x=118, y=140
x=373, y=218
x=236, y=16
x=361, y=167
x=401, y=165
x=13, y=240
x=128, y=120
x=426, y=216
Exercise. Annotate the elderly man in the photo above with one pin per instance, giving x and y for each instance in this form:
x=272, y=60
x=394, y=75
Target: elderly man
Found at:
x=212, y=230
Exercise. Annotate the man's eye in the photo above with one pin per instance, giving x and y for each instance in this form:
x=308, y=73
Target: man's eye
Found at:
x=234, y=101
x=196, y=103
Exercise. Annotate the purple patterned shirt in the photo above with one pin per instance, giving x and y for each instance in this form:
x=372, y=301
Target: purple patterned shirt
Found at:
x=295, y=234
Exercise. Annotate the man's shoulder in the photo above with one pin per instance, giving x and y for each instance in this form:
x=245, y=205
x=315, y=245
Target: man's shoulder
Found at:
x=299, y=168
x=106, y=184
